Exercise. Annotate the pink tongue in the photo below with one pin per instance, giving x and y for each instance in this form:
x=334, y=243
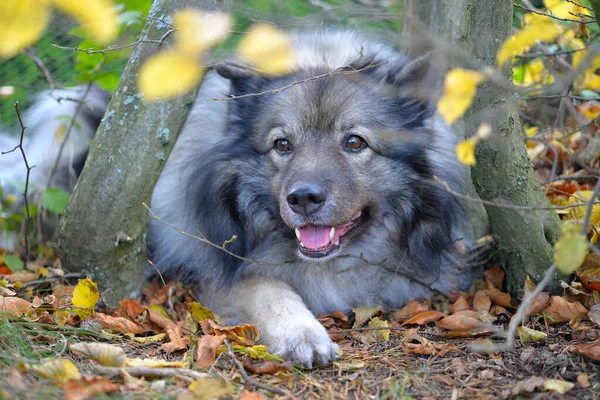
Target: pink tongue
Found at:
x=314, y=237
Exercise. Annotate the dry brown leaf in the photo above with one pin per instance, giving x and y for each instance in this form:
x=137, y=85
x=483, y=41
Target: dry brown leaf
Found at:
x=207, y=350
x=132, y=308
x=528, y=386
x=176, y=340
x=103, y=353
x=589, y=273
x=59, y=369
x=457, y=322
x=20, y=277
x=583, y=381
x=424, y=318
x=118, y=324
x=538, y=304
x=13, y=306
x=63, y=294
x=363, y=314
x=268, y=367
x=459, y=305
x=159, y=320
x=494, y=277
x=481, y=301
x=429, y=348
x=560, y=310
x=499, y=310
x=589, y=349
x=246, y=335
x=334, y=318
x=594, y=314
x=499, y=298
x=409, y=310
x=130, y=382
x=88, y=387
x=248, y=395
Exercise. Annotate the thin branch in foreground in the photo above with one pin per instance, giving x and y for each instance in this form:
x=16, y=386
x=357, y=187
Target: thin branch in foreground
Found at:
x=334, y=72
x=146, y=371
x=29, y=168
x=42, y=67
x=244, y=374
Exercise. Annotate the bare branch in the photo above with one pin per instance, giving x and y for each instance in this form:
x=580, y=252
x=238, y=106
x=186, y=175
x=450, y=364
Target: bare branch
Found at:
x=36, y=60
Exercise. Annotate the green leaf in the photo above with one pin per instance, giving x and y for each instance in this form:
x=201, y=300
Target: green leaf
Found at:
x=571, y=248
x=33, y=210
x=55, y=200
x=13, y=262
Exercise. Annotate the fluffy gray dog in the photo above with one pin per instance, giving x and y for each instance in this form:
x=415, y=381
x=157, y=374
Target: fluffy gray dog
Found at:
x=329, y=188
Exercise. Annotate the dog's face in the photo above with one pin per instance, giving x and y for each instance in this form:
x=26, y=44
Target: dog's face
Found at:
x=326, y=145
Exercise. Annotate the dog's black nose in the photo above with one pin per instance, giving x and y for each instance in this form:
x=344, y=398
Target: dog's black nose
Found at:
x=306, y=198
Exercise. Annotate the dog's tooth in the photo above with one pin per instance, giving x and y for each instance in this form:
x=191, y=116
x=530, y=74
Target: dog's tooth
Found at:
x=297, y=233
x=302, y=244
x=331, y=233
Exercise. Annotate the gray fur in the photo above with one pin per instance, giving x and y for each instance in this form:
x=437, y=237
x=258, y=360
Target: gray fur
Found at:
x=223, y=178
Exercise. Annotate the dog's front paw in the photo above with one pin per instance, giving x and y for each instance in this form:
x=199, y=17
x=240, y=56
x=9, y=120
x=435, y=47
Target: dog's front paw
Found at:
x=303, y=341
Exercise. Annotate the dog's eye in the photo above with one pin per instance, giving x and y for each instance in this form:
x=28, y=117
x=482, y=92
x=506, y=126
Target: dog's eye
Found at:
x=282, y=145
x=355, y=143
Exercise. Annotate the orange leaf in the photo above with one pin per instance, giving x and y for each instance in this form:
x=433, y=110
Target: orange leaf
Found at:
x=409, y=310
x=132, y=308
x=424, y=318
x=207, y=350
x=589, y=273
x=177, y=341
x=118, y=324
x=538, y=304
x=439, y=349
x=499, y=298
x=268, y=367
x=457, y=322
x=589, y=350
x=247, y=395
x=495, y=277
x=560, y=310
x=459, y=305
x=246, y=335
x=88, y=387
x=20, y=277
x=481, y=301
x=13, y=306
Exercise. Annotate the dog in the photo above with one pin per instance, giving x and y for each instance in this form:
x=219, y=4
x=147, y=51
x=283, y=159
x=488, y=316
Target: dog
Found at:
x=318, y=196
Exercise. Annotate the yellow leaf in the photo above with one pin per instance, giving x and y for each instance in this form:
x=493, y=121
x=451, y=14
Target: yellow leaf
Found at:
x=103, y=353
x=168, y=74
x=350, y=365
x=60, y=369
x=571, y=248
x=150, y=339
x=564, y=9
x=528, y=335
x=540, y=28
x=198, y=31
x=85, y=296
x=23, y=22
x=460, y=87
x=154, y=363
x=199, y=312
x=98, y=17
x=465, y=151
x=379, y=335
x=211, y=388
x=578, y=213
x=364, y=314
x=268, y=49
x=558, y=386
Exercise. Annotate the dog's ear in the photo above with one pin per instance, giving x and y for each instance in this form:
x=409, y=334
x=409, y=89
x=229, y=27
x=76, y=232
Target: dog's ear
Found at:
x=243, y=78
x=421, y=78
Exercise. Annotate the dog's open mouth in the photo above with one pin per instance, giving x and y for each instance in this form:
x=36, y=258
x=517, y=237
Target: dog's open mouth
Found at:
x=319, y=241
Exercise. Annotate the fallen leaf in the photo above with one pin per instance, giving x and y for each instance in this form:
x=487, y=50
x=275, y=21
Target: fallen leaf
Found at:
x=13, y=306
x=460, y=322
x=246, y=335
x=130, y=382
x=594, y=314
x=248, y=395
x=527, y=386
x=540, y=302
x=376, y=335
x=424, y=318
x=199, y=312
x=132, y=308
x=268, y=367
x=88, y=387
x=60, y=369
x=560, y=310
x=583, y=381
x=589, y=273
x=118, y=324
x=211, y=388
x=176, y=340
x=350, y=365
x=460, y=86
x=409, y=310
x=528, y=335
x=85, y=296
x=558, y=386
x=459, y=305
x=154, y=363
x=439, y=349
x=499, y=310
x=499, y=298
x=571, y=248
x=268, y=49
x=149, y=339
x=481, y=301
x=103, y=353
x=255, y=352
x=22, y=277
x=207, y=350
x=495, y=277
x=589, y=349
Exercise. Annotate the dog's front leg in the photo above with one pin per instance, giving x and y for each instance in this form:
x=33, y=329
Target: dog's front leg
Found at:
x=286, y=325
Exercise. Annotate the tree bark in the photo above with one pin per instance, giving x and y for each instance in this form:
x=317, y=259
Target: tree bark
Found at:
x=103, y=231
x=503, y=172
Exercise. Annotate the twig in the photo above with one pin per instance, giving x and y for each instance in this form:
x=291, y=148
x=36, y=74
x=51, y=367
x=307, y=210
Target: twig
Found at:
x=531, y=10
x=111, y=48
x=146, y=371
x=29, y=168
x=590, y=206
x=68, y=133
x=334, y=72
x=244, y=374
x=158, y=272
x=36, y=60
x=556, y=53
x=53, y=279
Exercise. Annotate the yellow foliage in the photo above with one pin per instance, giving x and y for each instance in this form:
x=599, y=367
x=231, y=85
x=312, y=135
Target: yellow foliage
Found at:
x=571, y=248
x=168, y=74
x=564, y=9
x=60, y=369
x=98, y=17
x=465, y=151
x=578, y=213
x=538, y=28
x=460, y=86
x=528, y=335
x=268, y=49
x=535, y=72
x=23, y=22
x=197, y=31
x=85, y=296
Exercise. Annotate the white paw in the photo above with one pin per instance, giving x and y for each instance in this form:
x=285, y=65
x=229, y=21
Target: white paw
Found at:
x=302, y=340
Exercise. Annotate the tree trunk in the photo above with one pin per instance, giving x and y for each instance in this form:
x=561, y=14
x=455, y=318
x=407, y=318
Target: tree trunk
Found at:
x=103, y=231
x=503, y=172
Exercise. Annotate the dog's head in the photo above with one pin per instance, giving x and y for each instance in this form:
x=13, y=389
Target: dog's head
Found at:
x=347, y=153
